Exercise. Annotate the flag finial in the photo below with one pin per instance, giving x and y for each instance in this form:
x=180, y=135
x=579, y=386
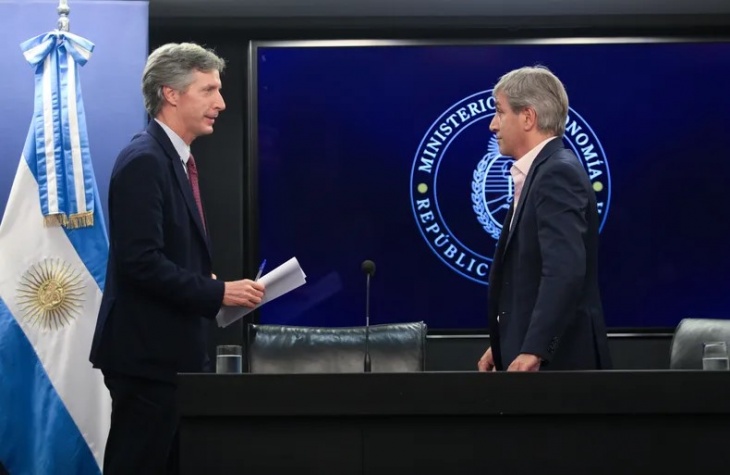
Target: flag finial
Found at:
x=63, y=11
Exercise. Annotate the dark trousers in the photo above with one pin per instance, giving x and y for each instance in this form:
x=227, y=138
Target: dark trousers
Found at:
x=143, y=436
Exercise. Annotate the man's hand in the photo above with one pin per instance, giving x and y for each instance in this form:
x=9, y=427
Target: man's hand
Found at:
x=525, y=362
x=243, y=293
x=486, y=362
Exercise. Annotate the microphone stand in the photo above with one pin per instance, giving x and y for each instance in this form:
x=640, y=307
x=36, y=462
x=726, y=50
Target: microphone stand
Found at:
x=367, y=325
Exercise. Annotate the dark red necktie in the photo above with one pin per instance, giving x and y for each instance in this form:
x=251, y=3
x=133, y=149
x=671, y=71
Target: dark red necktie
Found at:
x=193, y=177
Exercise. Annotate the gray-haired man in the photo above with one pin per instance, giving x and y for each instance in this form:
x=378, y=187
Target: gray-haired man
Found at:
x=160, y=291
x=544, y=302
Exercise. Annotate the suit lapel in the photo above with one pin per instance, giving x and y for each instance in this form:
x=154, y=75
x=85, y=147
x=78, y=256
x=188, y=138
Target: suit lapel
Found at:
x=184, y=184
x=502, y=241
x=550, y=148
x=499, y=250
x=181, y=177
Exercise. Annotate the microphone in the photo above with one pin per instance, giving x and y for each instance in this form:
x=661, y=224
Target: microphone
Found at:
x=368, y=267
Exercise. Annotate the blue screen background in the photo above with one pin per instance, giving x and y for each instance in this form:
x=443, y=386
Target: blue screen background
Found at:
x=339, y=128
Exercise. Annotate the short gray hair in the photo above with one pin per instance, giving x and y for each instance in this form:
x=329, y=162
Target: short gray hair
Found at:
x=538, y=88
x=172, y=65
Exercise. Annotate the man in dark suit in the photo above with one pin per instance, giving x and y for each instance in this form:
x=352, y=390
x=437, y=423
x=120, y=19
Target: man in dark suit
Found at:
x=544, y=302
x=160, y=292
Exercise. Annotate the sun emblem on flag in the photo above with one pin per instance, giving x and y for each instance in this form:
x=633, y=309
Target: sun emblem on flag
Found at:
x=50, y=294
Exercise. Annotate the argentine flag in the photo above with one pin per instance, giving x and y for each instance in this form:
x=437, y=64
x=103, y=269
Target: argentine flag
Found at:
x=54, y=407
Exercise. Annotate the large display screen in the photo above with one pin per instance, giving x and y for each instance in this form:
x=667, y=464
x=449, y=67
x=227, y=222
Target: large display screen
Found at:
x=382, y=151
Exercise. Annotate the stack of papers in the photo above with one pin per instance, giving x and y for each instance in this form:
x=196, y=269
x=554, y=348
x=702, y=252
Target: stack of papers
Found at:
x=278, y=282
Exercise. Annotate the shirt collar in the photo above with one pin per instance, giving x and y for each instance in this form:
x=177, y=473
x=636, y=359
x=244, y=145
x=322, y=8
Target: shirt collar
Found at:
x=181, y=147
x=524, y=164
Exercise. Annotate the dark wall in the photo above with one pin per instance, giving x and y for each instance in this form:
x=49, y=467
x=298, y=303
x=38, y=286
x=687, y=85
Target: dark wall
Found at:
x=439, y=14
x=228, y=180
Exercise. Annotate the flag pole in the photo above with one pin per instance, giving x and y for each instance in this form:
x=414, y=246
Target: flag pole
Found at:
x=63, y=11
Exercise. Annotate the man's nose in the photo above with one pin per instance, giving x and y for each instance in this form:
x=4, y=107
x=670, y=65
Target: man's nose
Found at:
x=221, y=104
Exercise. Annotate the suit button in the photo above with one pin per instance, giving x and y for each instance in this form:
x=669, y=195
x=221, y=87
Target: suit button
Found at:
x=497, y=318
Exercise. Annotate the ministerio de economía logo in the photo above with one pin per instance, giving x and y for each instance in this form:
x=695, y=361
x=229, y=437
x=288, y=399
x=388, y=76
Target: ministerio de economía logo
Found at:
x=461, y=186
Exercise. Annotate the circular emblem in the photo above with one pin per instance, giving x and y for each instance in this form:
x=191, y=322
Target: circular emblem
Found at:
x=458, y=172
x=50, y=294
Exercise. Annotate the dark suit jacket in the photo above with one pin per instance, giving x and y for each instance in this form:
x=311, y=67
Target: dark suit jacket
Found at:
x=159, y=296
x=543, y=285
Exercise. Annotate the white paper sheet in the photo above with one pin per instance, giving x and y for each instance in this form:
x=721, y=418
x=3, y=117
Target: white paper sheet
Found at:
x=278, y=282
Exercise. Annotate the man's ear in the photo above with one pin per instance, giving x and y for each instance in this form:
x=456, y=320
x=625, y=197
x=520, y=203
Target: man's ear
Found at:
x=529, y=118
x=170, y=95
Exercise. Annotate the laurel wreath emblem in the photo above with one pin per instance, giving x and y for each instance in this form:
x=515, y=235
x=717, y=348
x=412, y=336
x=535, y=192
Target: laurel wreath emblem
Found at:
x=477, y=191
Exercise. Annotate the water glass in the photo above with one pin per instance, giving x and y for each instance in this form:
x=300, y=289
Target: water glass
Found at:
x=714, y=356
x=229, y=359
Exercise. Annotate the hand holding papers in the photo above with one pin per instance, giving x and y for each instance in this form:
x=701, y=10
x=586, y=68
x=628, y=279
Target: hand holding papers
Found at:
x=278, y=282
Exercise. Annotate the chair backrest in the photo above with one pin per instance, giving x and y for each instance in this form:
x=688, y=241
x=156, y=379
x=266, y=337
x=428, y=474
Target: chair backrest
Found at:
x=394, y=348
x=690, y=334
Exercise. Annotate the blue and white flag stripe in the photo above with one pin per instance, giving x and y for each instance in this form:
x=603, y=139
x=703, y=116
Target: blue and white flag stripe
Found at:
x=36, y=431
x=65, y=178
x=54, y=408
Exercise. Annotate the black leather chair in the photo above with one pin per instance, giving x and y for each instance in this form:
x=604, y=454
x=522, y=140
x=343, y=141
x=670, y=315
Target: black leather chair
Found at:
x=689, y=336
x=394, y=348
